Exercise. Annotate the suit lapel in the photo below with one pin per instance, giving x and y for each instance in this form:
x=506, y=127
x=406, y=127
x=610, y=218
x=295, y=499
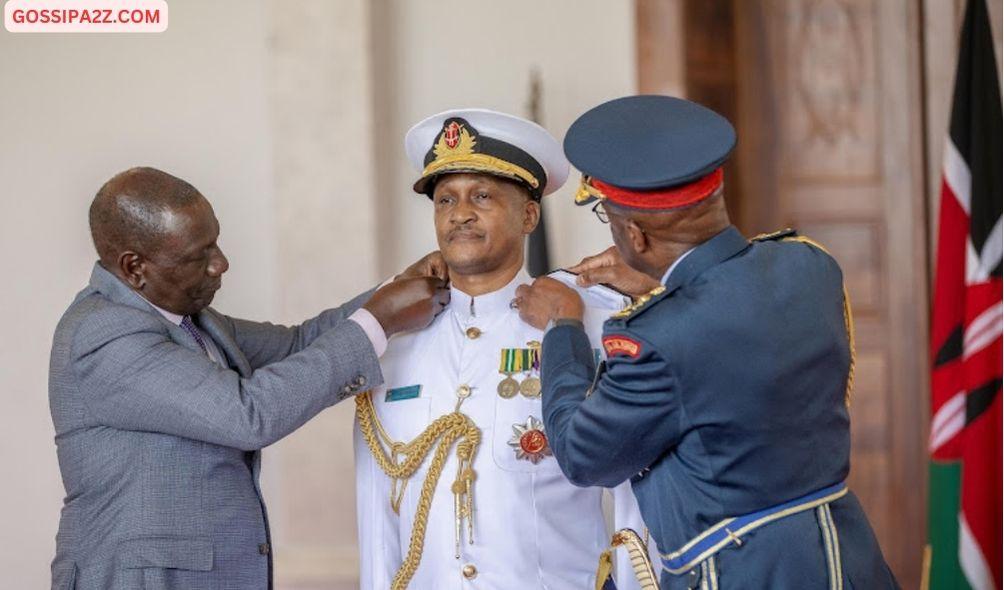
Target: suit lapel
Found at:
x=718, y=249
x=208, y=321
x=116, y=291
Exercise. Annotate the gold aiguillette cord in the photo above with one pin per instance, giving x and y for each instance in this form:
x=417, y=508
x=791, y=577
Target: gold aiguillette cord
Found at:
x=441, y=434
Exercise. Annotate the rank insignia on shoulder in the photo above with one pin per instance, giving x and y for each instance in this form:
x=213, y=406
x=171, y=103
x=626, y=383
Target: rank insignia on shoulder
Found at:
x=621, y=345
x=639, y=303
x=777, y=235
x=402, y=393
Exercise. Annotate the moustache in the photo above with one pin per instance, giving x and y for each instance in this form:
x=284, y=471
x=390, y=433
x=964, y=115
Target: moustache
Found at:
x=464, y=232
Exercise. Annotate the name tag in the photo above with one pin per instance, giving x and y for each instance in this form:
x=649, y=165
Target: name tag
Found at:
x=402, y=393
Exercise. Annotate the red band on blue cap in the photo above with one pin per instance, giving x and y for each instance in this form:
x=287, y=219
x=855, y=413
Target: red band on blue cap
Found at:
x=672, y=198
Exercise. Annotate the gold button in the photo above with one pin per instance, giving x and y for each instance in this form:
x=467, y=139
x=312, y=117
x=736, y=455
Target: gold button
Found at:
x=464, y=391
x=470, y=572
x=473, y=333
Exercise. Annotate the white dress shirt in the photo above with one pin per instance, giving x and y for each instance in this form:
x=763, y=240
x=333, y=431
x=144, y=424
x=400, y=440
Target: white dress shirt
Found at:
x=673, y=266
x=532, y=528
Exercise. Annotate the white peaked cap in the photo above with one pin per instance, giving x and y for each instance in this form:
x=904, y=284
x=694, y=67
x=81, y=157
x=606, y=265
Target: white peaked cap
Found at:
x=489, y=142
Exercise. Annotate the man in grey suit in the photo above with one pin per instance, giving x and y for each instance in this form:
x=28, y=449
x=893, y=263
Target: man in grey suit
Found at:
x=161, y=404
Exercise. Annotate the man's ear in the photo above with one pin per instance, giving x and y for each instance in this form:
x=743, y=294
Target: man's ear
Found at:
x=132, y=269
x=531, y=216
x=637, y=237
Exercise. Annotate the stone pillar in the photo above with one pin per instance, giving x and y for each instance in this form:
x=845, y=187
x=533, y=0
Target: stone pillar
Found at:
x=320, y=96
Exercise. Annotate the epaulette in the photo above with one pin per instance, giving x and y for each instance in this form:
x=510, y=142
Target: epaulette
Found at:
x=774, y=236
x=640, y=303
x=788, y=235
x=805, y=240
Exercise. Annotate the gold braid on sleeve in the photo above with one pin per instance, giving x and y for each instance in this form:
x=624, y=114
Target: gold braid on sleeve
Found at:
x=640, y=563
x=441, y=434
x=848, y=319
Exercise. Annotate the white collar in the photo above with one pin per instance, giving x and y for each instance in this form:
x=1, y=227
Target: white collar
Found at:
x=676, y=262
x=465, y=306
x=171, y=317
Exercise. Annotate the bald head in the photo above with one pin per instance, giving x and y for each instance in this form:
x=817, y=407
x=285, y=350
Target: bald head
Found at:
x=159, y=236
x=133, y=211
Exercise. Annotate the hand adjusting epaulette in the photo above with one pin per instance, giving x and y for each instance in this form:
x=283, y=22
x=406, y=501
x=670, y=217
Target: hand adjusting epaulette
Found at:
x=777, y=235
x=639, y=303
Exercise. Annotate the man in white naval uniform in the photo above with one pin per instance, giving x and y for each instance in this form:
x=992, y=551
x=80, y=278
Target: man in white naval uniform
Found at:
x=509, y=518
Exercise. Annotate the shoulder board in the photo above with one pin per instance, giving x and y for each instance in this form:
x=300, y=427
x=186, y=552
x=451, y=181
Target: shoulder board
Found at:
x=641, y=303
x=774, y=236
x=602, y=297
x=805, y=240
x=789, y=235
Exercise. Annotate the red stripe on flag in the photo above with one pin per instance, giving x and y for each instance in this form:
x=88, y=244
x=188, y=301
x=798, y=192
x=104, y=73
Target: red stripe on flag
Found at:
x=981, y=484
x=949, y=302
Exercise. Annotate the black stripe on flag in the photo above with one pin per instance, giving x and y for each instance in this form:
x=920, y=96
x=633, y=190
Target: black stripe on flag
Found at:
x=975, y=127
x=980, y=399
x=951, y=349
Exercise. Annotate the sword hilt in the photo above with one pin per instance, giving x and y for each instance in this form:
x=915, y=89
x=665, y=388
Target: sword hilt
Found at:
x=640, y=562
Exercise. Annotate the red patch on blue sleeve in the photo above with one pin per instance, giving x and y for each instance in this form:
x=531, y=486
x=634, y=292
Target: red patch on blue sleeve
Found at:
x=621, y=345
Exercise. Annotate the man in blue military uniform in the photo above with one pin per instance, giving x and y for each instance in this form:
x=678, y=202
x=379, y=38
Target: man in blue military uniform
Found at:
x=724, y=395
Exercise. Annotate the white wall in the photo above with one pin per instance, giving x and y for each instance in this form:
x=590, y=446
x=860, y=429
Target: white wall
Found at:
x=75, y=109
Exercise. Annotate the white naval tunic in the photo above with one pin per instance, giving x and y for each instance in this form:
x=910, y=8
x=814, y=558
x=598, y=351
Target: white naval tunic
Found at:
x=532, y=528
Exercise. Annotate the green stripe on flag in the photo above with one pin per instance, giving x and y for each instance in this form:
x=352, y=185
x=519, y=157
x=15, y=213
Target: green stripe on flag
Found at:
x=943, y=527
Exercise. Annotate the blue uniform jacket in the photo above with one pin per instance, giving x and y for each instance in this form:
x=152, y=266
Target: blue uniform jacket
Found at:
x=721, y=396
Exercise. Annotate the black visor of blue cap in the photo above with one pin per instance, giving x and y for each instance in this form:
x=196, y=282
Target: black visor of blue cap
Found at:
x=649, y=142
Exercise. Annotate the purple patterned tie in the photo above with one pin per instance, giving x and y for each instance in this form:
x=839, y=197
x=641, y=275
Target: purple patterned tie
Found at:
x=186, y=323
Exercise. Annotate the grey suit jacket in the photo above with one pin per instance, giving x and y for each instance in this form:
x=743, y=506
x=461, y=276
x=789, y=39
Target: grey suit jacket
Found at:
x=158, y=446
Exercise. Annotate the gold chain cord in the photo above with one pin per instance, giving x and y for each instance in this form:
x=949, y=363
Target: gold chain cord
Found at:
x=446, y=430
x=848, y=319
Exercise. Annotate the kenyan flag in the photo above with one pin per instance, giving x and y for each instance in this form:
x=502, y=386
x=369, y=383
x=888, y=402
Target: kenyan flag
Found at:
x=965, y=444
